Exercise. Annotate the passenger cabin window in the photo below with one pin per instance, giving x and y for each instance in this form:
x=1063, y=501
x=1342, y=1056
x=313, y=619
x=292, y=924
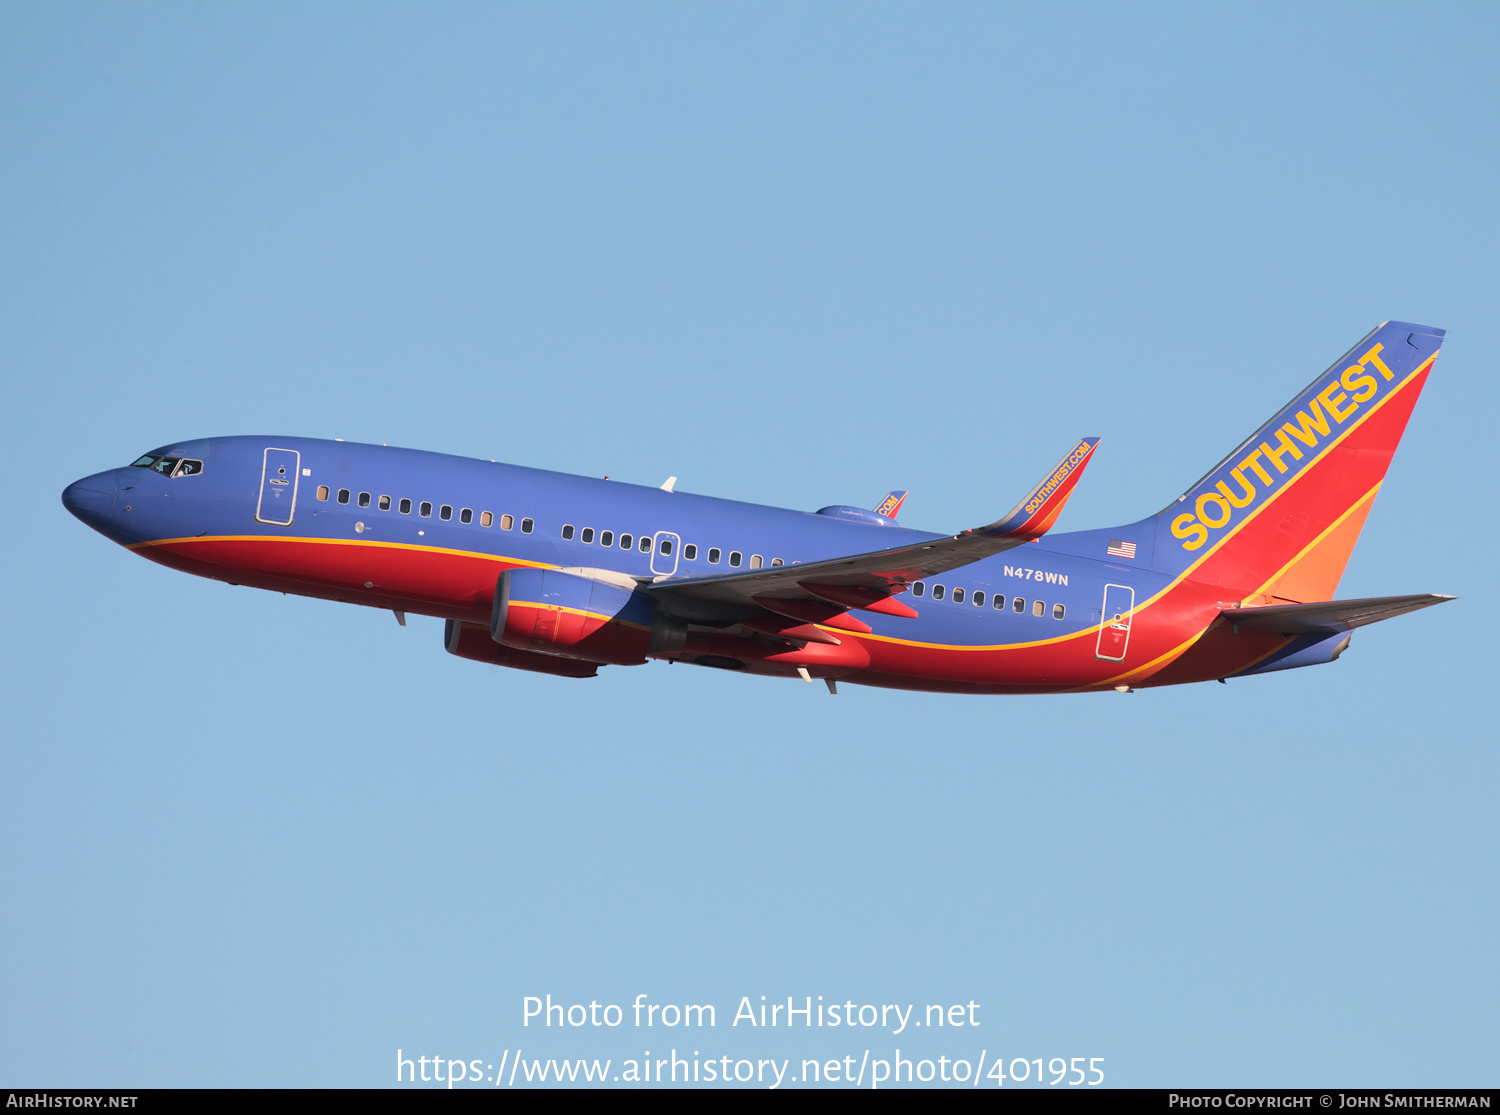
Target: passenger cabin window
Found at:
x=343, y=495
x=364, y=499
x=645, y=544
x=958, y=596
x=568, y=532
x=756, y=561
x=385, y=503
x=999, y=602
x=1038, y=608
x=776, y=561
x=588, y=534
x=665, y=547
x=1018, y=605
x=690, y=552
x=978, y=599
x=466, y=515
x=1058, y=611
x=506, y=522
x=735, y=557
x=937, y=592
x=626, y=541
x=486, y=519
x=405, y=507
x=445, y=512
x=526, y=525
x=425, y=509
x=323, y=492
x=606, y=538
x=918, y=589
x=714, y=555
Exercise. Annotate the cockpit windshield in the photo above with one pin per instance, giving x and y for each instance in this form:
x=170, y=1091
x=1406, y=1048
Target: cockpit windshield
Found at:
x=169, y=466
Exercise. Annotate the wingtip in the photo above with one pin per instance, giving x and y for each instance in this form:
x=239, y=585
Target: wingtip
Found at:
x=890, y=506
x=1035, y=514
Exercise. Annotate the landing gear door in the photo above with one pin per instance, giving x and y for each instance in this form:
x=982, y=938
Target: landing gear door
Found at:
x=664, y=555
x=279, y=471
x=1114, y=623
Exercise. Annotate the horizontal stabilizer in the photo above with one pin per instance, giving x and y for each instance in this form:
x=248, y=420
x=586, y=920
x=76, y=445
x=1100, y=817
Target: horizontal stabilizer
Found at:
x=1330, y=615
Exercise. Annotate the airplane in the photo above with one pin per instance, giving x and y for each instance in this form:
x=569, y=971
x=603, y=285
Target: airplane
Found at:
x=561, y=574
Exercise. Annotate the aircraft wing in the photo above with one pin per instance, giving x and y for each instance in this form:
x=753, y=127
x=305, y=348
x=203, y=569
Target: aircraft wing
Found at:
x=1330, y=615
x=867, y=580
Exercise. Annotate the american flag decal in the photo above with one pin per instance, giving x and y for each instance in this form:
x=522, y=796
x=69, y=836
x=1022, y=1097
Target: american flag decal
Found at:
x=1117, y=548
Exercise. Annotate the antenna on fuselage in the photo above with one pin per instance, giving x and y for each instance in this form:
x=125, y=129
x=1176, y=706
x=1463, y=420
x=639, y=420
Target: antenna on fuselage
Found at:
x=667, y=487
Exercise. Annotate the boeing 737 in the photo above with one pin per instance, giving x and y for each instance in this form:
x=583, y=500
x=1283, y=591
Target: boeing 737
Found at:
x=563, y=574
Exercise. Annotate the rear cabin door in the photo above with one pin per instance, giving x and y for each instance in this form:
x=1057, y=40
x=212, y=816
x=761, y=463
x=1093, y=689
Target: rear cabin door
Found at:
x=1114, y=623
x=278, y=487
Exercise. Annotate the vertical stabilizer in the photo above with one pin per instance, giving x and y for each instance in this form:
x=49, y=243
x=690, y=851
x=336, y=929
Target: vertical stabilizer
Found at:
x=1276, y=520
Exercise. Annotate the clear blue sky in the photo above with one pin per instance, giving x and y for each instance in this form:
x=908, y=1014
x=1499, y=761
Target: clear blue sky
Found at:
x=794, y=254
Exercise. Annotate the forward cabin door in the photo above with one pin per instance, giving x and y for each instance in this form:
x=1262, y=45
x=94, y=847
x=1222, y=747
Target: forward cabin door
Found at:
x=1114, y=623
x=279, y=470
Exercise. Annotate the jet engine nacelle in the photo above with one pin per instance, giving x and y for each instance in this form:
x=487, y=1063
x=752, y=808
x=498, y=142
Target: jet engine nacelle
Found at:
x=472, y=640
x=547, y=611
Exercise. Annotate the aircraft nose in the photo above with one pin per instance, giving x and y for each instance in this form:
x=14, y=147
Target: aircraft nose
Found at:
x=91, y=499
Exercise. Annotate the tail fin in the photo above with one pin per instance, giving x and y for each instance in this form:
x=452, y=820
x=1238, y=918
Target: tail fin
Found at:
x=1275, y=521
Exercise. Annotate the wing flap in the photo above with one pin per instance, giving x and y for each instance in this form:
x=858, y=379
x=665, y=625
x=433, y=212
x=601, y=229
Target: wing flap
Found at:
x=812, y=611
x=789, y=629
x=859, y=598
x=1330, y=615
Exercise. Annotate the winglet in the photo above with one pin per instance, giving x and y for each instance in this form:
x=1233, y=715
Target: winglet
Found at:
x=1035, y=514
x=890, y=506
